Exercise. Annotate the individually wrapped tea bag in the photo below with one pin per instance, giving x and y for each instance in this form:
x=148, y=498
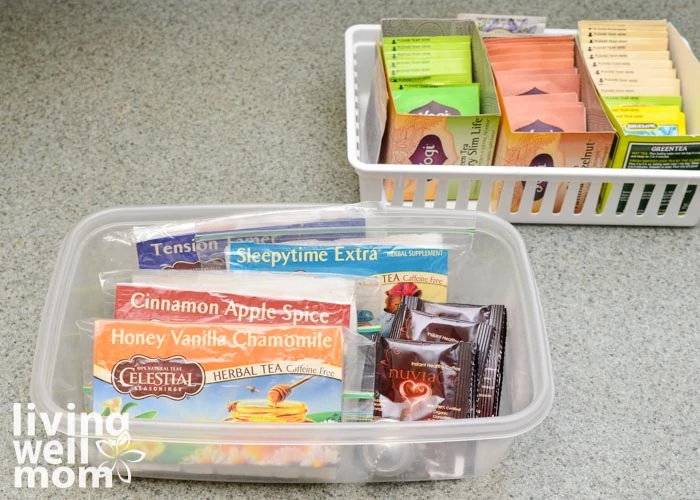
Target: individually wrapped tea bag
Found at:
x=175, y=246
x=219, y=372
x=405, y=264
x=219, y=296
x=424, y=380
x=486, y=325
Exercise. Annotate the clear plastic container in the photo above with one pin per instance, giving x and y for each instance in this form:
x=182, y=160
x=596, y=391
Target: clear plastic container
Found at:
x=499, y=272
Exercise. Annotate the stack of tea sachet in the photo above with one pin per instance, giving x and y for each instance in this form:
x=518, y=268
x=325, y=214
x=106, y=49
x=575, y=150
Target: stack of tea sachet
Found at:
x=539, y=83
x=431, y=75
x=631, y=66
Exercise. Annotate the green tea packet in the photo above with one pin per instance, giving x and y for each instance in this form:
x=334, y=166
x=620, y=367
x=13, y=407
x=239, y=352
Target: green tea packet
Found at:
x=435, y=53
x=403, y=41
x=428, y=49
x=453, y=79
x=426, y=67
x=460, y=100
x=450, y=80
x=643, y=101
x=432, y=61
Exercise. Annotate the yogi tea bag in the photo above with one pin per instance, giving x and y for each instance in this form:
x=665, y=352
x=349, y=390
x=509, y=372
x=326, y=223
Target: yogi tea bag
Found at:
x=219, y=373
x=565, y=117
x=424, y=380
x=460, y=100
x=623, y=101
x=548, y=84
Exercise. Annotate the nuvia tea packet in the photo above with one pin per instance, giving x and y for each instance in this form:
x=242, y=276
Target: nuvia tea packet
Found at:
x=424, y=380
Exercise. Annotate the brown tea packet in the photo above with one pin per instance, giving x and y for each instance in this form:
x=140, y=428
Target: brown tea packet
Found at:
x=418, y=326
x=499, y=373
x=490, y=351
x=424, y=380
x=488, y=392
x=494, y=314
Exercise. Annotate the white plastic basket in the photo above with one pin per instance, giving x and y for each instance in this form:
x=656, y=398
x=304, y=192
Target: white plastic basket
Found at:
x=360, y=53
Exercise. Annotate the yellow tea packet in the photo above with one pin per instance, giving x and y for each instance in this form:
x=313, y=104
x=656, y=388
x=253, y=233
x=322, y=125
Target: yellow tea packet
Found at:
x=651, y=120
x=654, y=100
x=664, y=109
x=622, y=89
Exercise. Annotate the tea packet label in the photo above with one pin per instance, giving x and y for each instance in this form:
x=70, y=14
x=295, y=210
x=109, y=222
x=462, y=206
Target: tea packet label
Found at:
x=185, y=250
x=213, y=372
x=402, y=270
x=144, y=302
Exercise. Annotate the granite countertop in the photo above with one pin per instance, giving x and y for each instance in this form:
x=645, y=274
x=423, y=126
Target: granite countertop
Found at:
x=108, y=104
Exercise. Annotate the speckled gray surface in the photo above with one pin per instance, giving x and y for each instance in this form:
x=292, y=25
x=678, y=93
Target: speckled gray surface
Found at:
x=137, y=103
